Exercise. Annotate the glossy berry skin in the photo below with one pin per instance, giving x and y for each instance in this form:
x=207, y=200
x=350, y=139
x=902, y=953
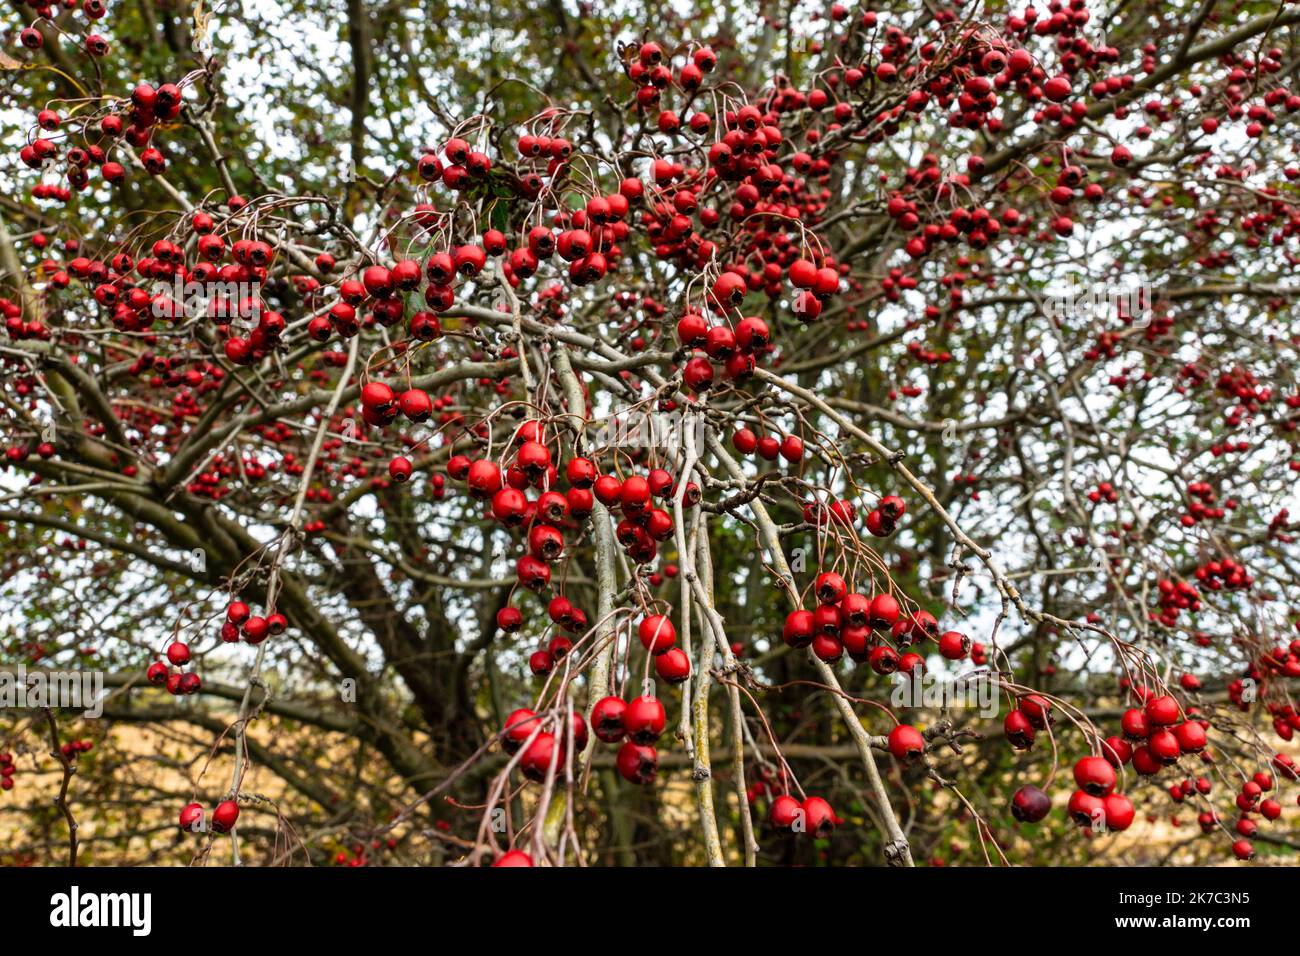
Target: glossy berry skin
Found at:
x=698, y=374
x=377, y=396
x=545, y=543
x=1144, y=762
x=1038, y=710
x=799, y=628
x=1019, y=731
x=1117, y=751
x=657, y=633
x=637, y=763
x=1191, y=737
x=892, y=507
x=1162, y=711
x=827, y=647
x=1085, y=809
x=1135, y=724
x=1163, y=745
x=785, y=813
x=256, y=629
x=819, y=818
x=191, y=818
x=883, y=659
x=906, y=743
x=1029, y=804
x=1094, y=775
x=1119, y=811
x=513, y=858
x=538, y=757
x=416, y=404
x=607, y=719
x=224, y=816
x=644, y=719
x=830, y=588
x=580, y=472
x=518, y=728
x=954, y=645
x=692, y=329
x=884, y=612
x=484, y=479
x=178, y=654
x=673, y=666
x=608, y=490
x=855, y=610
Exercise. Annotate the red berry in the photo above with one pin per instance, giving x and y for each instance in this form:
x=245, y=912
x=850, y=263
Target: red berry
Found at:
x=224, y=816
x=906, y=743
x=644, y=719
x=637, y=763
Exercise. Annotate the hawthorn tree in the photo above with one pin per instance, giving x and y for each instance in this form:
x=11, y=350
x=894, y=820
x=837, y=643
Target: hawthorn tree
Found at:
x=727, y=433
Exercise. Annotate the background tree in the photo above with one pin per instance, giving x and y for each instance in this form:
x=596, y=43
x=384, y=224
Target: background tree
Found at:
x=374, y=372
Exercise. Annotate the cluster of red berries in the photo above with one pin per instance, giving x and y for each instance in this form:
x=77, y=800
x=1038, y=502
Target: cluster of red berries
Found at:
x=1282, y=661
x=1224, y=573
x=95, y=45
x=846, y=621
x=382, y=289
x=1174, y=598
x=1105, y=491
x=149, y=107
x=239, y=622
x=737, y=349
x=7, y=769
x=1251, y=800
x=121, y=286
x=659, y=638
x=769, y=447
x=1094, y=805
x=72, y=748
x=179, y=682
x=359, y=855
x=1286, y=719
x=1200, y=505
x=1153, y=736
x=1033, y=713
x=636, y=724
x=463, y=164
x=380, y=405
x=883, y=519
x=242, y=622
x=813, y=816
x=224, y=816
